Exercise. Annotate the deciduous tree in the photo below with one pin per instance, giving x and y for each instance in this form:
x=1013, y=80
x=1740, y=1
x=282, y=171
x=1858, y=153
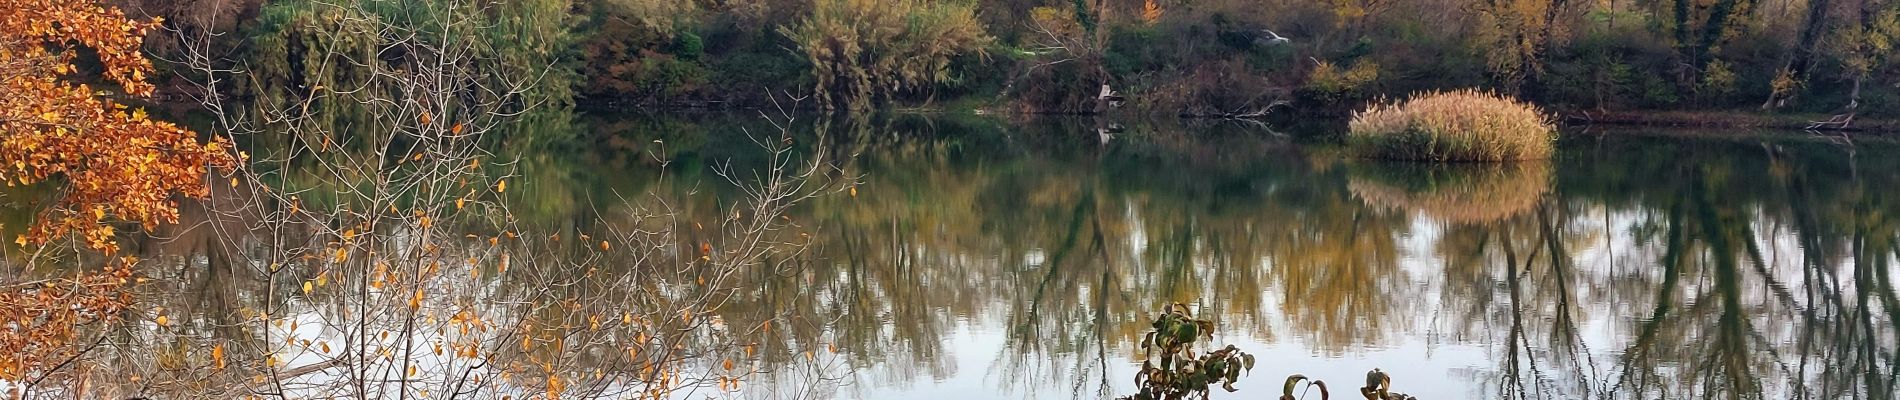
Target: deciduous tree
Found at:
x=110, y=160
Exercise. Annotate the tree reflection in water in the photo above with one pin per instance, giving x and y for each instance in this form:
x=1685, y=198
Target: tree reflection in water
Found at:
x=1632, y=266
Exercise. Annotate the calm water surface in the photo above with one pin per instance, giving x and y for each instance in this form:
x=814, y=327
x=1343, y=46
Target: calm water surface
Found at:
x=992, y=259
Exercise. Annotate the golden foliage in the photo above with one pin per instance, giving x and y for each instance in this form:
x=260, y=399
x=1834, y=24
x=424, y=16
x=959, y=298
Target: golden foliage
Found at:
x=1331, y=84
x=1056, y=20
x=1784, y=84
x=1150, y=12
x=1512, y=34
x=1460, y=125
x=112, y=159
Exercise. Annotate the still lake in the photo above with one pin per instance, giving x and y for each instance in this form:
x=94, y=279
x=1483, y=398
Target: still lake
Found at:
x=995, y=258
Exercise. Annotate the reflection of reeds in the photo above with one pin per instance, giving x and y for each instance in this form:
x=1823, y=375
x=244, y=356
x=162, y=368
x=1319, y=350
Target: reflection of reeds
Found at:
x=1459, y=194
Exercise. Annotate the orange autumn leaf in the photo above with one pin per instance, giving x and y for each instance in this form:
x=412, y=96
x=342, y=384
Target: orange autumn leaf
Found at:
x=54, y=128
x=44, y=319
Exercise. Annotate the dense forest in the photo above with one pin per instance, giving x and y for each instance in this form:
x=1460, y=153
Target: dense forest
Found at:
x=1193, y=57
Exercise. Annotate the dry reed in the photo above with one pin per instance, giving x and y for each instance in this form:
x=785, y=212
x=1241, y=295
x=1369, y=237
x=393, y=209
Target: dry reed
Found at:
x=1455, y=126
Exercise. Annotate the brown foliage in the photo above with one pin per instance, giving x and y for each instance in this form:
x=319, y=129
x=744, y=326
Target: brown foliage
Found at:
x=45, y=317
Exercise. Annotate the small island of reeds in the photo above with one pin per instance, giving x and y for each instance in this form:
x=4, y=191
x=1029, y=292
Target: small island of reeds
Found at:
x=1455, y=126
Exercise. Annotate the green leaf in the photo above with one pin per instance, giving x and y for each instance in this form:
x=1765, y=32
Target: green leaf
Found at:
x=1186, y=333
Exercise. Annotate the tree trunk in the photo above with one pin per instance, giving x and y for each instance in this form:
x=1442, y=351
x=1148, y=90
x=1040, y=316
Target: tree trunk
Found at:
x=1535, y=60
x=1853, y=96
x=1682, y=28
x=1866, y=24
x=1802, y=55
x=1712, y=30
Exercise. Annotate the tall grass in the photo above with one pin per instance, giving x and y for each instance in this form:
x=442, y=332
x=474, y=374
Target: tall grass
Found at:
x=1455, y=126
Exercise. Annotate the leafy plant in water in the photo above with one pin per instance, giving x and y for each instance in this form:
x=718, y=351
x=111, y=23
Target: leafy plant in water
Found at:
x=1286, y=392
x=1173, y=371
x=1379, y=387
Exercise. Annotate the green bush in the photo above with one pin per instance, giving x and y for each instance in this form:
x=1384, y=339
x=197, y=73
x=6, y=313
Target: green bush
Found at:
x=1461, y=125
x=1329, y=84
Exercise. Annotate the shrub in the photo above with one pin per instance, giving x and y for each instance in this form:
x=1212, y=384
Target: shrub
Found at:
x=865, y=51
x=1328, y=84
x=1461, y=125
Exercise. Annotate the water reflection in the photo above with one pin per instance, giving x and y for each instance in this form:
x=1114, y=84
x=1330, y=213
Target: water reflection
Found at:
x=1024, y=259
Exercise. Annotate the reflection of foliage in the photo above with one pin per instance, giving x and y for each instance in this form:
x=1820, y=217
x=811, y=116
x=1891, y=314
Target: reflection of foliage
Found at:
x=1465, y=194
x=1172, y=372
x=1046, y=239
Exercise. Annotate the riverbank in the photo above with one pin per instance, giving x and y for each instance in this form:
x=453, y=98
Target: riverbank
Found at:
x=1725, y=119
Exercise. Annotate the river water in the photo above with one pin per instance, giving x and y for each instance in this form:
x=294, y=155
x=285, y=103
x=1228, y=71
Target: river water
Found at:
x=985, y=258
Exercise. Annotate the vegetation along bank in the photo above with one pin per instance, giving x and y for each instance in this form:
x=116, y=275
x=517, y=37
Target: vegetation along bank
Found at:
x=1748, y=62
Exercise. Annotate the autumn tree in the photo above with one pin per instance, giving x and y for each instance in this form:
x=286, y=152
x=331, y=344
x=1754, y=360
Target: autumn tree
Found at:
x=1801, y=56
x=1865, y=46
x=1700, y=28
x=61, y=126
x=111, y=159
x=1354, y=13
x=1518, y=34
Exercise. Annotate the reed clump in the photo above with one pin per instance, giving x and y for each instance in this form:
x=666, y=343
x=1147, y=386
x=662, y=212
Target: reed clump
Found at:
x=1454, y=126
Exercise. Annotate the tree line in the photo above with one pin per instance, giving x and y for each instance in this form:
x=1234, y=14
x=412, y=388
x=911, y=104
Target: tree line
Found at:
x=1200, y=57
